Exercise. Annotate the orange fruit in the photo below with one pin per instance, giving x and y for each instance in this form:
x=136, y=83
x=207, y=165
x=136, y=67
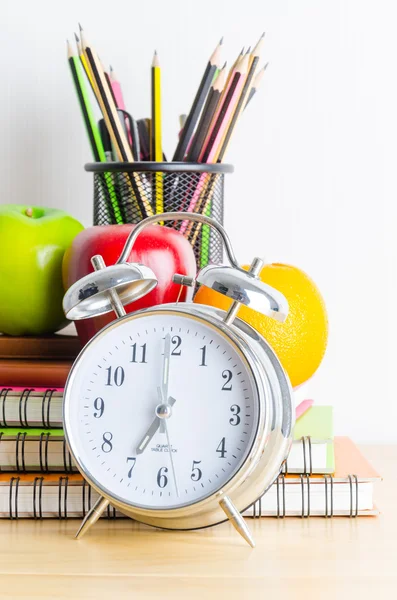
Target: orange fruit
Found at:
x=300, y=342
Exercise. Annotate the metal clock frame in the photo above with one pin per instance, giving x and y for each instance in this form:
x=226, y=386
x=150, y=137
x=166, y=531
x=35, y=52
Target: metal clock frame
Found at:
x=271, y=443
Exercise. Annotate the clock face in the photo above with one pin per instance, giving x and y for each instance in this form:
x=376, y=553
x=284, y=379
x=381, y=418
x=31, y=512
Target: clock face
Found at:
x=161, y=410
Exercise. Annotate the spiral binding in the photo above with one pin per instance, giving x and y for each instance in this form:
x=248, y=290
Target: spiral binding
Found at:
x=20, y=436
x=23, y=406
x=45, y=411
x=21, y=441
x=353, y=509
x=280, y=513
x=329, y=481
x=3, y=397
x=306, y=442
x=44, y=439
x=305, y=485
x=14, y=492
x=305, y=510
x=83, y=497
x=63, y=487
x=38, y=513
x=67, y=459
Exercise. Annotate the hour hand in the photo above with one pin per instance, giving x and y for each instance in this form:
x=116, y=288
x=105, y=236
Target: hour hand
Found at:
x=152, y=430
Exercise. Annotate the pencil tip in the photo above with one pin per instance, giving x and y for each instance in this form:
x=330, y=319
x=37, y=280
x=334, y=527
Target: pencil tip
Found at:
x=221, y=41
x=265, y=67
x=263, y=35
x=76, y=37
x=111, y=68
x=155, y=62
x=249, y=50
x=80, y=27
x=242, y=51
x=224, y=66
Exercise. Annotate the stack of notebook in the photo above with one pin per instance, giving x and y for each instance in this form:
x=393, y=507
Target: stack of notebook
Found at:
x=322, y=477
x=37, y=361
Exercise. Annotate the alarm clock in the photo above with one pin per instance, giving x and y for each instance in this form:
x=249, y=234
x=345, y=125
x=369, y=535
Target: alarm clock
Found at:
x=179, y=415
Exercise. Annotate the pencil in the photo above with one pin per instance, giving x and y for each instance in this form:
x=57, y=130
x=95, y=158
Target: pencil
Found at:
x=252, y=67
x=83, y=61
x=256, y=84
x=207, y=116
x=212, y=144
x=156, y=144
x=198, y=103
x=212, y=147
x=94, y=137
x=144, y=139
x=107, y=77
x=117, y=91
x=109, y=111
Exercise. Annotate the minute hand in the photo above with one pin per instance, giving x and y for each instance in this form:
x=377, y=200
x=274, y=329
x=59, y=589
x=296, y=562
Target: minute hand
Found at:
x=166, y=368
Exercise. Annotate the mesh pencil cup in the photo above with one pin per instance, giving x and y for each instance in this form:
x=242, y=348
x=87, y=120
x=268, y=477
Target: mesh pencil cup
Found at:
x=129, y=192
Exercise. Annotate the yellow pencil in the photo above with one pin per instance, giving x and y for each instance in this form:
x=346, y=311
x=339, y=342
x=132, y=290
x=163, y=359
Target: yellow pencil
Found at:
x=110, y=115
x=156, y=153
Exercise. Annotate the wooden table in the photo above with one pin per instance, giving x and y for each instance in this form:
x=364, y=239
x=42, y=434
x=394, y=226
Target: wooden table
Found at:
x=312, y=558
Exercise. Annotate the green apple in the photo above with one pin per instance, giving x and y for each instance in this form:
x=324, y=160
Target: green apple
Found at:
x=33, y=241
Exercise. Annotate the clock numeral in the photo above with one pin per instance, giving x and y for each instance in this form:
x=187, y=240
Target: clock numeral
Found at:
x=203, y=356
x=177, y=341
x=99, y=406
x=235, y=420
x=228, y=376
x=162, y=479
x=196, y=473
x=134, y=353
x=107, y=445
x=221, y=448
x=133, y=460
x=117, y=377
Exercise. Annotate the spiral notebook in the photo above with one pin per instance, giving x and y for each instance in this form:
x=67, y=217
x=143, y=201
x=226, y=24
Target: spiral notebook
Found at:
x=349, y=492
x=312, y=449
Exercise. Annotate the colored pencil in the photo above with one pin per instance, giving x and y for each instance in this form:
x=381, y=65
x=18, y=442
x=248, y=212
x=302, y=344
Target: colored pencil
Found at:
x=109, y=111
x=94, y=137
x=83, y=61
x=156, y=152
x=207, y=116
x=256, y=84
x=211, y=147
x=144, y=139
x=198, y=103
x=252, y=68
x=218, y=126
x=117, y=91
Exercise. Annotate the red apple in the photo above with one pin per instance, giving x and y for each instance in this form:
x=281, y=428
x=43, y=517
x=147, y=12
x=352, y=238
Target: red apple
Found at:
x=163, y=250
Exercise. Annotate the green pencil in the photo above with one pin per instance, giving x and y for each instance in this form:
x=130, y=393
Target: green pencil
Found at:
x=91, y=127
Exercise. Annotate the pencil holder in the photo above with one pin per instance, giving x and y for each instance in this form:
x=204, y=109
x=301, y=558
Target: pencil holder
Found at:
x=129, y=192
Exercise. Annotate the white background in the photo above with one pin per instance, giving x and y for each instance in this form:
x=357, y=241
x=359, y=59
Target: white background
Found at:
x=315, y=155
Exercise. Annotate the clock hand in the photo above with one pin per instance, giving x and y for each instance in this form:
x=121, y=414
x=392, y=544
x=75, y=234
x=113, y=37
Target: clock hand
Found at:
x=163, y=418
x=152, y=430
x=165, y=375
x=172, y=460
x=166, y=368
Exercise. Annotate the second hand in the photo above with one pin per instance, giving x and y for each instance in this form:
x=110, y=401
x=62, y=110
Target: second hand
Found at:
x=164, y=422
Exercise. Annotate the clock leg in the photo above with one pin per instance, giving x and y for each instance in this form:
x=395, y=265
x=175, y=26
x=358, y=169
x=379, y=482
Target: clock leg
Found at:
x=92, y=516
x=237, y=520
